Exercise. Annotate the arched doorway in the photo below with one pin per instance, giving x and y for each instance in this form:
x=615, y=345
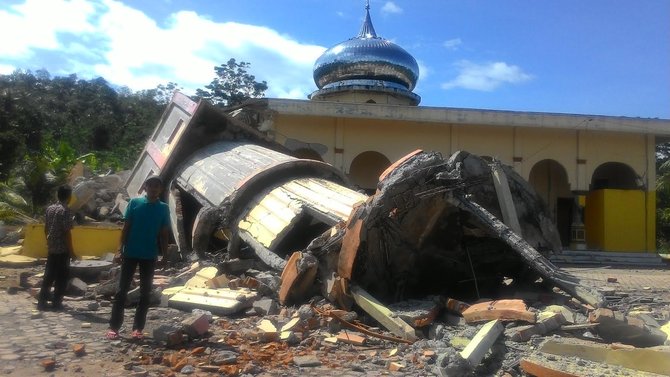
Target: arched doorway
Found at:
x=366, y=168
x=550, y=180
x=307, y=154
x=618, y=214
x=615, y=175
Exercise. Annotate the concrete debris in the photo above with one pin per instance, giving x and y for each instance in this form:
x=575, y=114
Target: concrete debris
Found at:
x=641, y=359
x=77, y=287
x=475, y=351
x=196, y=325
x=616, y=327
x=221, y=301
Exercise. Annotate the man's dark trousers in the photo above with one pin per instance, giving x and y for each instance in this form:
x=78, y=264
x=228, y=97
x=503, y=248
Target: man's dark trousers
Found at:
x=128, y=266
x=56, y=272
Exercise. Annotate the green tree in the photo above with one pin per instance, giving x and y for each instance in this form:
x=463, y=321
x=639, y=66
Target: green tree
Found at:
x=232, y=85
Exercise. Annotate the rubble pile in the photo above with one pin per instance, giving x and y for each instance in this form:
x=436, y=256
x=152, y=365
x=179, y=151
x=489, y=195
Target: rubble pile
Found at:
x=99, y=197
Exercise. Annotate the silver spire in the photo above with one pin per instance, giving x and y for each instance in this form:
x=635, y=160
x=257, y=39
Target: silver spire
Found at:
x=367, y=30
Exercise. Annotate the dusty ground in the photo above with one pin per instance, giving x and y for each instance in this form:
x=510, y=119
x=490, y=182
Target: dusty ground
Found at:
x=28, y=338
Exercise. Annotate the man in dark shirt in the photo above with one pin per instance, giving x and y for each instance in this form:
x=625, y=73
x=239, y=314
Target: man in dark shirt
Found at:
x=57, y=228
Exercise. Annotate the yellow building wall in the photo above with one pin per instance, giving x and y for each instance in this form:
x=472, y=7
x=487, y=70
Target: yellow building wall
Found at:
x=494, y=142
x=537, y=144
x=601, y=147
x=618, y=220
x=383, y=136
x=86, y=240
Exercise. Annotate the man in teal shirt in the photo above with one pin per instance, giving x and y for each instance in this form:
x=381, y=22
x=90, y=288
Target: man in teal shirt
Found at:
x=144, y=236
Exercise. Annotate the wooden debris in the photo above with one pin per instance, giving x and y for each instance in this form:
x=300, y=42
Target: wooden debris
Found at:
x=475, y=351
x=504, y=310
x=382, y=314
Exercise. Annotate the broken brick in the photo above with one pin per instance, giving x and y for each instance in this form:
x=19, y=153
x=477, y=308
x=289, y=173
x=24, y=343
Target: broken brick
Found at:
x=48, y=364
x=350, y=338
x=79, y=349
x=510, y=310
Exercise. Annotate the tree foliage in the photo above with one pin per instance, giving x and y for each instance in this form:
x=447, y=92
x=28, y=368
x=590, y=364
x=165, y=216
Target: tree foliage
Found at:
x=232, y=85
x=48, y=123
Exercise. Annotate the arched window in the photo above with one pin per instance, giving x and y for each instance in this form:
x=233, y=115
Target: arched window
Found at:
x=366, y=168
x=615, y=175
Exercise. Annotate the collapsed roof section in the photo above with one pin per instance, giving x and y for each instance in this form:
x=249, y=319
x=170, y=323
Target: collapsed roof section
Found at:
x=432, y=227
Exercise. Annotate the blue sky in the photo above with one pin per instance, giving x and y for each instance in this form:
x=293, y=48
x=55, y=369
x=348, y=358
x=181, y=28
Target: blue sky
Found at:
x=605, y=57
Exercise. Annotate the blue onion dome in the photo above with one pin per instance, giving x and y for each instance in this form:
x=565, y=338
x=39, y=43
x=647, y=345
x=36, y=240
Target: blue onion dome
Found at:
x=366, y=61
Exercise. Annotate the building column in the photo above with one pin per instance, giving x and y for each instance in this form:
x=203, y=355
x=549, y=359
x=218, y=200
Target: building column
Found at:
x=582, y=182
x=338, y=146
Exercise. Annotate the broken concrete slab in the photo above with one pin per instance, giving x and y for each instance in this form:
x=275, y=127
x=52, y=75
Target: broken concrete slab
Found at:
x=475, y=351
x=221, y=301
x=614, y=326
x=641, y=359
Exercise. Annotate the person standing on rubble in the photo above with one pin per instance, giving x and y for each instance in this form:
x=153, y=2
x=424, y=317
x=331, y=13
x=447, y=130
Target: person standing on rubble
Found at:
x=57, y=229
x=144, y=236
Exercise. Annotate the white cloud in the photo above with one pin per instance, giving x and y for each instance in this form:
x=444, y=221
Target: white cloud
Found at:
x=452, y=44
x=486, y=77
x=125, y=46
x=36, y=24
x=6, y=69
x=391, y=7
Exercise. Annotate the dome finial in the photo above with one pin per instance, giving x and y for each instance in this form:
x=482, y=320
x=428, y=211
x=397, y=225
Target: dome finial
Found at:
x=367, y=30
